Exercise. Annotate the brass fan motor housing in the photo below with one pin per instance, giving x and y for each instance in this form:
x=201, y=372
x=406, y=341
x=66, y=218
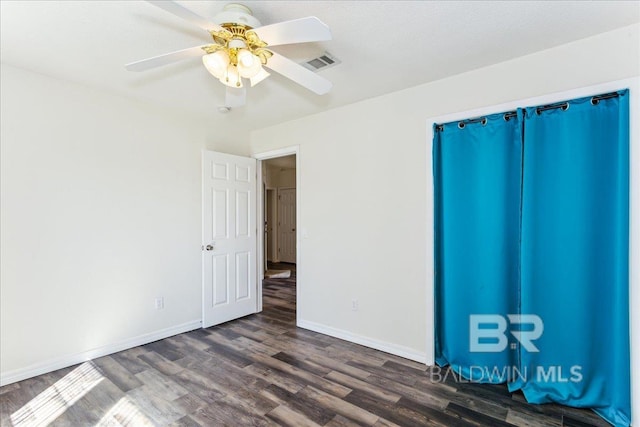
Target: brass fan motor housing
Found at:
x=244, y=33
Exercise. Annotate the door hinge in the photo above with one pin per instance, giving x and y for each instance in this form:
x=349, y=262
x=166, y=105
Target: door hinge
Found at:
x=279, y=197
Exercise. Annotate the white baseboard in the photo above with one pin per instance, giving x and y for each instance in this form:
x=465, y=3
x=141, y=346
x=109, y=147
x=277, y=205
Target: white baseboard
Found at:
x=73, y=359
x=387, y=347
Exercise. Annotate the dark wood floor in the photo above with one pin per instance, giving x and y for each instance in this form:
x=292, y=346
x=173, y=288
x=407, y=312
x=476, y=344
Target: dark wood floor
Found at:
x=262, y=370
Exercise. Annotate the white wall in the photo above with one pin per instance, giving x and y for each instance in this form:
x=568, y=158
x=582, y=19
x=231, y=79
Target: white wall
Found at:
x=100, y=215
x=286, y=178
x=364, y=199
x=277, y=177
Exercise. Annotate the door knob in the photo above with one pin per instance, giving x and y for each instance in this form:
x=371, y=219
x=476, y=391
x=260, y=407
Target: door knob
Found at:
x=209, y=247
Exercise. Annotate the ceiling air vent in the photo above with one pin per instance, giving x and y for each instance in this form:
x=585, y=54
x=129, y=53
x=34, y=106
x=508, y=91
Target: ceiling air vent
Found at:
x=322, y=62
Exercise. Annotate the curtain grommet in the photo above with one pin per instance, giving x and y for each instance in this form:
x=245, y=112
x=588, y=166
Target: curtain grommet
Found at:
x=460, y=125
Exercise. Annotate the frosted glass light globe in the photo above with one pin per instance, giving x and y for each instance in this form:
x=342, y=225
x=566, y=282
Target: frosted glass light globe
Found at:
x=216, y=63
x=248, y=64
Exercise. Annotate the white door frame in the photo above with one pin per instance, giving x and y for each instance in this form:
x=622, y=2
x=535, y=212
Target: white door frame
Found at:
x=287, y=151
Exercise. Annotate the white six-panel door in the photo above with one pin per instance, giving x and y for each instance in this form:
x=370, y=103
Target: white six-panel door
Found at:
x=229, y=244
x=287, y=224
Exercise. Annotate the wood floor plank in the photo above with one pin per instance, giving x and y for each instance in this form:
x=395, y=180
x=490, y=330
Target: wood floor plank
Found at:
x=309, y=337
x=356, y=384
x=525, y=420
x=166, y=349
x=9, y=387
x=93, y=405
x=299, y=403
x=161, y=385
x=199, y=385
x=188, y=343
x=247, y=344
x=247, y=331
x=308, y=378
x=263, y=324
x=159, y=410
x=580, y=421
x=241, y=385
x=404, y=368
x=117, y=373
x=403, y=390
x=301, y=363
x=341, y=351
x=385, y=372
x=340, y=421
x=385, y=423
x=227, y=414
x=130, y=360
x=161, y=364
x=281, y=379
x=126, y=414
x=478, y=405
x=384, y=409
x=285, y=416
x=476, y=418
x=334, y=364
x=190, y=403
x=227, y=352
x=339, y=406
x=427, y=415
x=185, y=421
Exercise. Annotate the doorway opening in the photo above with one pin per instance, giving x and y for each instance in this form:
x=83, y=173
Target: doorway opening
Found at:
x=278, y=257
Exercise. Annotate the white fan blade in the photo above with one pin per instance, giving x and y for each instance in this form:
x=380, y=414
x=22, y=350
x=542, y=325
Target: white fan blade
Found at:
x=186, y=14
x=259, y=77
x=303, y=30
x=298, y=74
x=165, y=59
x=235, y=97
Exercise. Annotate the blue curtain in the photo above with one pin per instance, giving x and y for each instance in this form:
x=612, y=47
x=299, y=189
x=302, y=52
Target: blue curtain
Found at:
x=532, y=232
x=575, y=240
x=477, y=175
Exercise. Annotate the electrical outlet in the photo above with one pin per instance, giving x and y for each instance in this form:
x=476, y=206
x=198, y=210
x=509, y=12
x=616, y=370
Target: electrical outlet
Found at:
x=159, y=303
x=354, y=305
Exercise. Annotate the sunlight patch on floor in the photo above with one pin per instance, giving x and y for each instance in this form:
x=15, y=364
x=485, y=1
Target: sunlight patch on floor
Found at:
x=51, y=403
x=124, y=413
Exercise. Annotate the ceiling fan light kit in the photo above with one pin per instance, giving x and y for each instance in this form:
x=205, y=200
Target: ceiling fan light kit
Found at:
x=239, y=49
x=238, y=52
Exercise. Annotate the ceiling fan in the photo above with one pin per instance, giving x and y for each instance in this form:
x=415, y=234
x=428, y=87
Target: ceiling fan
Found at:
x=241, y=49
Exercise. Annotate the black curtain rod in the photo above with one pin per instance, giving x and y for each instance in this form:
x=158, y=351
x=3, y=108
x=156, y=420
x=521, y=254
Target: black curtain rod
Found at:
x=510, y=114
x=563, y=105
x=599, y=98
x=507, y=116
x=463, y=123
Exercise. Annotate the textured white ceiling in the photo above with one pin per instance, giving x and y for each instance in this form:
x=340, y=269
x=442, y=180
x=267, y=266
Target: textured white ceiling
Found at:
x=384, y=46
